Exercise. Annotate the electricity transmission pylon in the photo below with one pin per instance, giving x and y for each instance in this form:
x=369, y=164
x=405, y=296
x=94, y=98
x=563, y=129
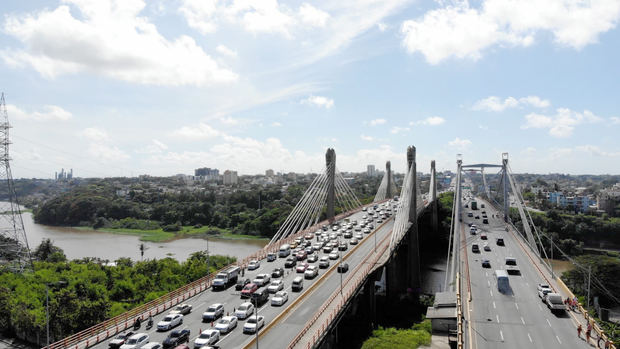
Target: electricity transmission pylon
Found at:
x=14, y=250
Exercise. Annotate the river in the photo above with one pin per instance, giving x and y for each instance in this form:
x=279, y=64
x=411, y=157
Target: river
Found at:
x=78, y=244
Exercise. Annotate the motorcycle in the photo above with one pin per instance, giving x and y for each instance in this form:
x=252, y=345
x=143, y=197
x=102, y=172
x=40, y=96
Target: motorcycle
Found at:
x=149, y=324
x=136, y=325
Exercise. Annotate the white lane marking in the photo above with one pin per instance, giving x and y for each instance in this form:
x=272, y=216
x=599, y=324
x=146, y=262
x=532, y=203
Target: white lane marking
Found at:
x=200, y=305
x=528, y=336
x=527, y=283
x=539, y=307
x=491, y=293
x=501, y=334
x=548, y=322
x=494, y=305
x=489, y=283
x=523, y=321
x=497, y=317
x=558, y=338
x=486, y=273
x=517, y=305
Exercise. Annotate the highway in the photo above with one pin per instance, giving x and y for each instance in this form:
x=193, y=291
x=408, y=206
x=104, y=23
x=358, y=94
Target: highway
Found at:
x=517, y=319
x=293, y=321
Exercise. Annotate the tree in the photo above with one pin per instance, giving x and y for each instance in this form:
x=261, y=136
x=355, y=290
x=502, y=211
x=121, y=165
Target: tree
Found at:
x=46, y=249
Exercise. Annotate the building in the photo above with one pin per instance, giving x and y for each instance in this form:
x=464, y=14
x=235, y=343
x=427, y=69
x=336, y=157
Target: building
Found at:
x=269, y=173
x=608, y=200
x=371, y=171
x=63, y=175
x=580, y=203
x=207, y=174
x=230, y=177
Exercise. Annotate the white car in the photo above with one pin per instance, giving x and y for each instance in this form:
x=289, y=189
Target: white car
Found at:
x=279, y=298
x=226, y=324
x=261, y=279
x=213, y=312
x=275, y=286
x=311, y=272
x=183, y=309
x=136, y=341
x=207, y=337
x=244, y=310
x=254, y=323
x=152, y=345
x=333, y=255
x=254, y=264
x=539, y=287
x=169, y=321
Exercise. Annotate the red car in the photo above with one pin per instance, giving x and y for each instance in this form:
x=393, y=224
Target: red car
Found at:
x=302, y=267
x=248, y=290
x=301, y=255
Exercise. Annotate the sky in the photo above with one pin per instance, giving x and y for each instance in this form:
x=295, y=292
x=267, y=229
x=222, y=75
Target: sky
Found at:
x=130, y=87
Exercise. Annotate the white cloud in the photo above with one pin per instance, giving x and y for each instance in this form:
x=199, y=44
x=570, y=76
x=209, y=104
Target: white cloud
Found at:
x=109, y=38
x=376, y=122
x=562, y=124
x=594, y=150
x=193, y=133
x=226, y=51
x=276, y=124
x=462, y=31
x=50, y=112
x=312, y=16
x=459, y=143
x=429, y=121
x=397, y=129
x=382, y=26
x=198, y=14
x=95, y=134
x=367, y=138
x=496, y=104
x=106, y=153
x=614, y=120
x=319, y=101
x=155, y=147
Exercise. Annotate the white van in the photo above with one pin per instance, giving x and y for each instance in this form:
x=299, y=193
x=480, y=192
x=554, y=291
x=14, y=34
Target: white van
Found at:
x=503, y=284
x=285, y=251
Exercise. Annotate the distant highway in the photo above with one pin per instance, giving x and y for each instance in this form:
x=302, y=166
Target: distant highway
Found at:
x=518, y=320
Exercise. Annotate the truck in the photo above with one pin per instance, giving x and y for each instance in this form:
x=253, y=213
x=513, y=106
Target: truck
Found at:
x=503, y=284
x=474, y=205
x=555, y=303
x=226, y=278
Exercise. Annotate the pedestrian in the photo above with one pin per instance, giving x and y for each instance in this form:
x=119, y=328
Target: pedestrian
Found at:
x=588, y=332
x=608, y=344
x=579, y=331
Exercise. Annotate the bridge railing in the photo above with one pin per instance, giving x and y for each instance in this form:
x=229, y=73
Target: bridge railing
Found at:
x=121, y=322
x=352, y=282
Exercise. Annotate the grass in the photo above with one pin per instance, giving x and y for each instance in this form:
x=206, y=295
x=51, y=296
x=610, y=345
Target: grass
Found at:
x=159, y=235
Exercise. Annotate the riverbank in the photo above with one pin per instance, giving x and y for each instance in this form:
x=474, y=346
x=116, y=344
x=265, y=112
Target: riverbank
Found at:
x=159, y=235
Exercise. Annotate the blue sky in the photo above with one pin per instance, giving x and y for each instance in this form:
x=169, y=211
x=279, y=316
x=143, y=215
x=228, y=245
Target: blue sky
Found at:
x=128, y=87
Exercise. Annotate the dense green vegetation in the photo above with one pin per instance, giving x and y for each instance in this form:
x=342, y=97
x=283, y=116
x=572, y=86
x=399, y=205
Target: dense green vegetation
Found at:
x=93, y=292
x=392, y=338
x=159, y=215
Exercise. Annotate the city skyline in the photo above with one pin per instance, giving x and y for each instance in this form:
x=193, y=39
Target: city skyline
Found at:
x=121, y=88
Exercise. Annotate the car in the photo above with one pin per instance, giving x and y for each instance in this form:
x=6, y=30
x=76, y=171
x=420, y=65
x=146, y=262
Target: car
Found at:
x=279, y=298
x=244, y=310
x=311, y=272
x=379, y=220
x=260, y=297
x=309, y=250
x=309, y=236
x=353, y=241
x=253, y=324
x=487, y=247
x=275, y=286
x=241, y=283
x=254, y=264
x=301, y=255
x=327, y=249
x=261, y=280
x=470, y=214
x=483, y=236
x=472, y=231
x=499, y=241
x=343, y=267
x=169, y=321
x=324, y=262
x=271, y=257
x=119, y=340
x=366, y=230
x=313, y=258
x=477, y=217
x=342, y=247
x=543, y=294
x=302, y=267
x=176, y=337
x=485, y=221
x=248, y=290
x=511, y=266
x=226, y=324
x=297, y=284
x=183, y=309
x=359, y=236
x=152, y=345
x=277, y=272
x=347, y=234
x=486, y=263
x=475, y=248
x=333, y=255
x=290, y=262
x=370, y=226
x=136, y=341
x=214, y=312
x=207, y=337
x=540, y=287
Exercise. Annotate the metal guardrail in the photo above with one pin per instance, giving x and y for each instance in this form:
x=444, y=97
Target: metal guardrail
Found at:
x=108, y=328
x=459, y=312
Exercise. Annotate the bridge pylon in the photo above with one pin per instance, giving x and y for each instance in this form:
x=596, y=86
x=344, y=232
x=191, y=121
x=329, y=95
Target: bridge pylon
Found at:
x=413, y=252
x=433, y=198
x=330, y=165
x=388, y=172
x=506, y=184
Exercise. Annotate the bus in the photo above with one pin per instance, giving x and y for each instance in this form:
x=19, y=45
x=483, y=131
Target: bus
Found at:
x=503, y=284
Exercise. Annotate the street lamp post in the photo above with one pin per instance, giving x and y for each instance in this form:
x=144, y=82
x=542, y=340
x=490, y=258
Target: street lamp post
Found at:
x=256, y=318
x=47, y=307
x=340, y=264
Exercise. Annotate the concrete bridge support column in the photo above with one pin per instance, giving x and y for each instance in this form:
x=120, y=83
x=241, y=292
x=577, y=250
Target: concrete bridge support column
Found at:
x=433, y=197
x=506, y=184
x=371, y=301
x=388, y=172
x=330, y=164
x=413, y=253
